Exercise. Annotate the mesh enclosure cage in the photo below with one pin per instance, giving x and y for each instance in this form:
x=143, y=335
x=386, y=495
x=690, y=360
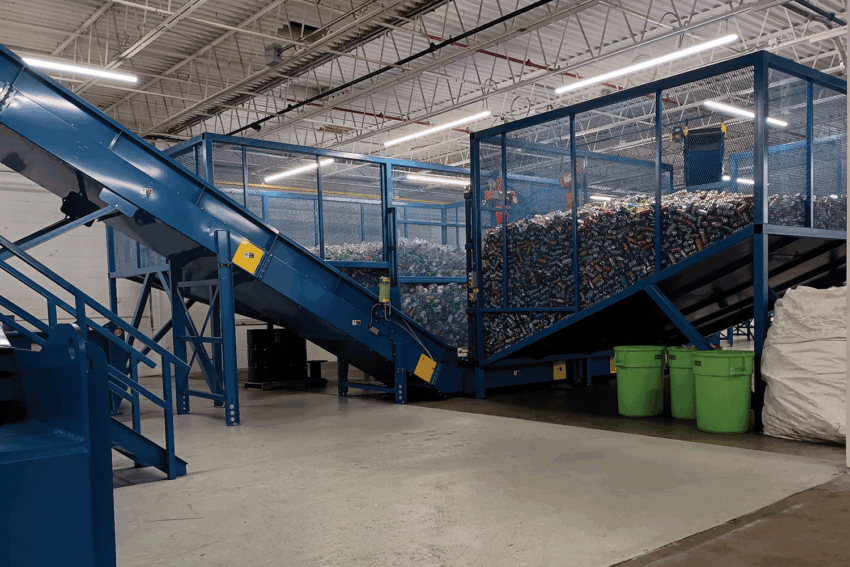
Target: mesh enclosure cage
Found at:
x=283, y=192
x=430, y=222
x=227, y=171
x=708, y=144
x=829, y=158
x=188, y=159
x=352, y=210
x=656, y=176
x=440, y=308
x=615, y=149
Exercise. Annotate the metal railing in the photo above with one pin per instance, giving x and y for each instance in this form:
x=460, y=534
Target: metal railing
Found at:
x=123, y=383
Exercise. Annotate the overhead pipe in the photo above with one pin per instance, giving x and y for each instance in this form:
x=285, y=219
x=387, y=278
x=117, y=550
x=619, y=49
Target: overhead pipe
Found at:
x=830, y=16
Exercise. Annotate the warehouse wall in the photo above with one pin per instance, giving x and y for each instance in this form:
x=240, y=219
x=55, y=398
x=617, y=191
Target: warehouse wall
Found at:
x=80, y=257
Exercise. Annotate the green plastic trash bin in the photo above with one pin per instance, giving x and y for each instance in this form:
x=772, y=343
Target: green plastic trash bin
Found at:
x=640, y=380
x=722, y=380
x=682, y=395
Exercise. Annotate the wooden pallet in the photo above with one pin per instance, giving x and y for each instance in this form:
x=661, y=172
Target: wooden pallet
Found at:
x=288, y=385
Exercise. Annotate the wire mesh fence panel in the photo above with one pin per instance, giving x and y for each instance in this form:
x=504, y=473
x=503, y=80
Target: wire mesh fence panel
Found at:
x=187, y=159
x=352, y=205
x=538, y=209
x=299, y=216
x=283, y=191
x=829, y=158
x=489, y=179
x=126, y=252
x=787, y=170
x=228, y=171
x=427, y=226
x=615, y=151
x=440, y=308
x=707, y=150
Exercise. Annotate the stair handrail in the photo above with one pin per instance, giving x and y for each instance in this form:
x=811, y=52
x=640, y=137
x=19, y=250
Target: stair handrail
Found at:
x=78, y=311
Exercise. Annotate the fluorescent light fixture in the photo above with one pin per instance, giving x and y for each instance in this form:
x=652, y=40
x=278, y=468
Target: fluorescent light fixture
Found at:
x=599, y=198
x=728, y=109
x=741, y=180
x=297, y=170
x=453, y=181
x=79, y=70
x=687, y=52
x=440, y=128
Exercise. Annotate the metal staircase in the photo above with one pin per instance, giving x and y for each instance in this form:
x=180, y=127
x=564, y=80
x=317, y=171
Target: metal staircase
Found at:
x=124, y=381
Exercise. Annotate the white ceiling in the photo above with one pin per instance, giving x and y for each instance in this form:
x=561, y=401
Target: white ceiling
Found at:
x=202, y=64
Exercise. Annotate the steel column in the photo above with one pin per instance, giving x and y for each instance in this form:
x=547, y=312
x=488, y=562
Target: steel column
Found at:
x=810, y=168
x=228, y=327
x=659, y=228
x=504, y=170
x=320, y=208
x=342, y=377
x=178, y=330
x=761, y=317
x=574, y=177
x=400, y=391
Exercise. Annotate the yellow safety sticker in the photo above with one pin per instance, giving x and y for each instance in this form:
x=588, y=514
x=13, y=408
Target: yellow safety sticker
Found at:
x=248, y=257
x=613, y=366
x=425, y=368
x=559, y=370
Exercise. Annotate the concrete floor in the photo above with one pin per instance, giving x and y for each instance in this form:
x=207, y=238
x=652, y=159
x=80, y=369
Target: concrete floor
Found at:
x=526, y=477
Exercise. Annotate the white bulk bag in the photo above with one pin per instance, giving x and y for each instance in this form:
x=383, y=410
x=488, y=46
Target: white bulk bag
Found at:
x=805, y=366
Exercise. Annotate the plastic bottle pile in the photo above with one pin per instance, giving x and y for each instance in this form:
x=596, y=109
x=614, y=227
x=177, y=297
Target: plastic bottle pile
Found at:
x=421, y=258
x=830, y=212
x=616, y=250
x=440, y=308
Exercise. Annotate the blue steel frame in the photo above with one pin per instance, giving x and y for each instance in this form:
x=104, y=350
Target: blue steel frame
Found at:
x=394, y=220
x=760, y=62
x=220, y=371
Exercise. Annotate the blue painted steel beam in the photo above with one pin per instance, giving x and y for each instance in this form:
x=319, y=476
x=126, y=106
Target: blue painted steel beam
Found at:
x=228, y=327
x=677, y=318
x=810, y=166
x=28, y=242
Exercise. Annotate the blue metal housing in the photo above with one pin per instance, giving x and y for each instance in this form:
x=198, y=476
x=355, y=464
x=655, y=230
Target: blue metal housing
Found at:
x=55, y=464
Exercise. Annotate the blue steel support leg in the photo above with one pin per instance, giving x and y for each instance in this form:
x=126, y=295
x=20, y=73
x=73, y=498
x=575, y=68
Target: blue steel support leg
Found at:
x=400, y=393
x=178, y=329
x=761, y=319
x=677, y=318
x=479, y=382
x=218, y=348
x=342, y=377
x=228, y=327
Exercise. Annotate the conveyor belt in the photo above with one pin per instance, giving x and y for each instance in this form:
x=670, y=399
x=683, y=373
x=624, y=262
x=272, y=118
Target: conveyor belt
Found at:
x=66, y=145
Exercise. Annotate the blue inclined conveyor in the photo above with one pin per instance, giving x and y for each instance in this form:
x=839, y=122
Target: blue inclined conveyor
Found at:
x=61, y=142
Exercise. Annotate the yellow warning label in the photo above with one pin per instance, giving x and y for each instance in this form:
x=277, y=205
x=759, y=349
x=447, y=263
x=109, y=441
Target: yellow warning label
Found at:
x=248, y=257
x=559, y=370
x=613, y=366
x=425, y=368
